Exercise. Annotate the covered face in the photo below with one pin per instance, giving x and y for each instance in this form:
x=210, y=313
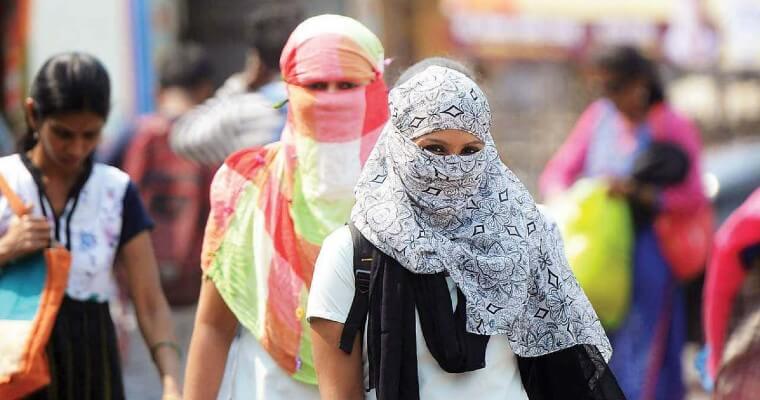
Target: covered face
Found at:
x=469, y=216
x=333, y=67
x=437, y=100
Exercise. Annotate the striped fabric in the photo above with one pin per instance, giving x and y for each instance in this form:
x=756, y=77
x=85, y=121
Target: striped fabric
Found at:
x=273, y=207
x=83, y=355
x=212, y=131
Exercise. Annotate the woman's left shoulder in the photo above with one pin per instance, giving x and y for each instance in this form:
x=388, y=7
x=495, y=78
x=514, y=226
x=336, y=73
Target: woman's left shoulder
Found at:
x=109, y=173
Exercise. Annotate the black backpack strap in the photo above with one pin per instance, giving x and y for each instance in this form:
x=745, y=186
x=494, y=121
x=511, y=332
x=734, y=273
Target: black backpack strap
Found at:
x=357, y=315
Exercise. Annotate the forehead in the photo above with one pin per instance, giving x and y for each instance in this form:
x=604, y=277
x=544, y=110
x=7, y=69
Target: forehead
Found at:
x=449, y=136
x=438, y=99
x=76, y=121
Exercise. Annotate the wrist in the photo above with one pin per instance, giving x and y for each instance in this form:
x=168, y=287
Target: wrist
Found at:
x=166, y=345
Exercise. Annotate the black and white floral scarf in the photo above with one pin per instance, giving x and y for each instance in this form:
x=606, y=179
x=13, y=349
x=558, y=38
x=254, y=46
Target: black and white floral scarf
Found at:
x=471, y=217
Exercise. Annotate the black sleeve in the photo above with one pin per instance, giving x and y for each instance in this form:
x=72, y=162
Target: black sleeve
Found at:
x=134, y=217
x=578, y=373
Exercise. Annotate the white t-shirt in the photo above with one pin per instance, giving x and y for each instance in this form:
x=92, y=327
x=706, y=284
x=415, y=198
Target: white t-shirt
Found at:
x=330, y=297
x=251, y=373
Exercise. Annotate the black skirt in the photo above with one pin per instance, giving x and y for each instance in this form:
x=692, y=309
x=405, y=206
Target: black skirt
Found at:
x=83, y=355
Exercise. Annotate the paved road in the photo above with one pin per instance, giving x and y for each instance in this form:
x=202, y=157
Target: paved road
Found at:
x=140, y=375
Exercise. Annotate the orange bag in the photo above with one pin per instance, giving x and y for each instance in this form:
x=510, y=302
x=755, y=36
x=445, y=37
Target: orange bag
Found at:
x=31, y=292
x=685, y=240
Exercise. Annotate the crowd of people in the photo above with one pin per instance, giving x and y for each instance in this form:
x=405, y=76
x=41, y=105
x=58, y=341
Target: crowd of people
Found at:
x=336, y=238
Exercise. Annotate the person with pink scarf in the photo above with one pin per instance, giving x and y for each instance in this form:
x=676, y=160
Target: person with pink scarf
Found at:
x=618, y=139
x=730, y=301
x=271, y=209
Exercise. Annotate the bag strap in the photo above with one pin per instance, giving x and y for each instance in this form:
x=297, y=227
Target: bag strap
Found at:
x=15, y=202
x=357, y=315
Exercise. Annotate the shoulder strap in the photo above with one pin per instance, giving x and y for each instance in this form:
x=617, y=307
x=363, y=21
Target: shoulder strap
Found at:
x=357, y=315
x=15, y=202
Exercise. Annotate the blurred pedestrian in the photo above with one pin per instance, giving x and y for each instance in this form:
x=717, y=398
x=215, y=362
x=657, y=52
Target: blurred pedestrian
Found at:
x=271, y=209
x=732, y=304
x=650, y=155
x=6, y=138
x=452, y=237
x=175, y=190
x=95, y=211
x=242, y=114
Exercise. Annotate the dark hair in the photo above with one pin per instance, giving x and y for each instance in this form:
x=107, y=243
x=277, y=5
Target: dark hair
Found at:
x=438, y=61
x=626, y=64
x=268, y=29
x=68, y=82
x=186, y=66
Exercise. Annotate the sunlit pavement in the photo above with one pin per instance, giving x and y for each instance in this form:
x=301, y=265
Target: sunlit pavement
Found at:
x=140, y=377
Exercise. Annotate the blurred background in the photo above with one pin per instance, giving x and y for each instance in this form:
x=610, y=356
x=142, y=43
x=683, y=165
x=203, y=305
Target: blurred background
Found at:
x=530, y=56
x=529, y=53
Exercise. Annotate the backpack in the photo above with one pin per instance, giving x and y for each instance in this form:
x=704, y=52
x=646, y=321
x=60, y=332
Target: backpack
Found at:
x=357, y=314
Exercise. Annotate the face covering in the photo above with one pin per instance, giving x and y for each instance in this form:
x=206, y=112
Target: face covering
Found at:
x=471, y=217
x=273, y=207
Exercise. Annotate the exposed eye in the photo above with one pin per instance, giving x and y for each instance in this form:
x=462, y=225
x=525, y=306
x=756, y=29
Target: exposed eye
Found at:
x=469, y=150
x=317, y=86
x=347, y=85
x=436, y=149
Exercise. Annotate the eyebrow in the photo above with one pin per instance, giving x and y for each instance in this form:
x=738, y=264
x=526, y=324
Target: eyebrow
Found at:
x=439, y=141
x=60, y=126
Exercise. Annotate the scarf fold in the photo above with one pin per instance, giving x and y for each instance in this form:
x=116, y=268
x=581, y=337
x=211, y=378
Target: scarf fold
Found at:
x=395, y=294
x=471, y=217
x=273, y=207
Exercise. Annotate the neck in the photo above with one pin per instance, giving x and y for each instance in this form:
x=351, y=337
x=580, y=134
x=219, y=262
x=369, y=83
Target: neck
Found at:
x=48, y=168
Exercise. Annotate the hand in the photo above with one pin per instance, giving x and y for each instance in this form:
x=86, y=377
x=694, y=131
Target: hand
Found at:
x=641, y=193
x=26, y=234
x=621, y=188
x=171, y=390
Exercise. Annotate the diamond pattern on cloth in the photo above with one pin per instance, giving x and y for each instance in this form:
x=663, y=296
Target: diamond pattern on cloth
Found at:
x=471, y=217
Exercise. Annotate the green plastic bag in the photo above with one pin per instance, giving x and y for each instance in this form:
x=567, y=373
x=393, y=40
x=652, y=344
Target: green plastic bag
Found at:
x=598, y=235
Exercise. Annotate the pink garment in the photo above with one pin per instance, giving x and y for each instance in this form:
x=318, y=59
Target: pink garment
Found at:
x=726, y=273
x=569, y=162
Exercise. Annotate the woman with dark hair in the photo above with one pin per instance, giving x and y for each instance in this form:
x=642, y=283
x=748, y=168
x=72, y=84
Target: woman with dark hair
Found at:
x=95, y=212
x=650, y=155
x=449, y=281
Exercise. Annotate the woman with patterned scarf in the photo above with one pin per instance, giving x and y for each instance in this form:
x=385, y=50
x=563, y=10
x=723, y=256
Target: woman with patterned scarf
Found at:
x=469, y=293
x=271, y=210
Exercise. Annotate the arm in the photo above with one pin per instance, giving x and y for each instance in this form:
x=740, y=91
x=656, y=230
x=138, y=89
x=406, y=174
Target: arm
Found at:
x=153, y=314
x=339, y=375
x=215, y=327
x=689, y=195
x=212, y=131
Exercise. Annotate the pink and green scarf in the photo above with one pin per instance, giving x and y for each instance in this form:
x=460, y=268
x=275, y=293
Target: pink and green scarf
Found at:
x=273, y=207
